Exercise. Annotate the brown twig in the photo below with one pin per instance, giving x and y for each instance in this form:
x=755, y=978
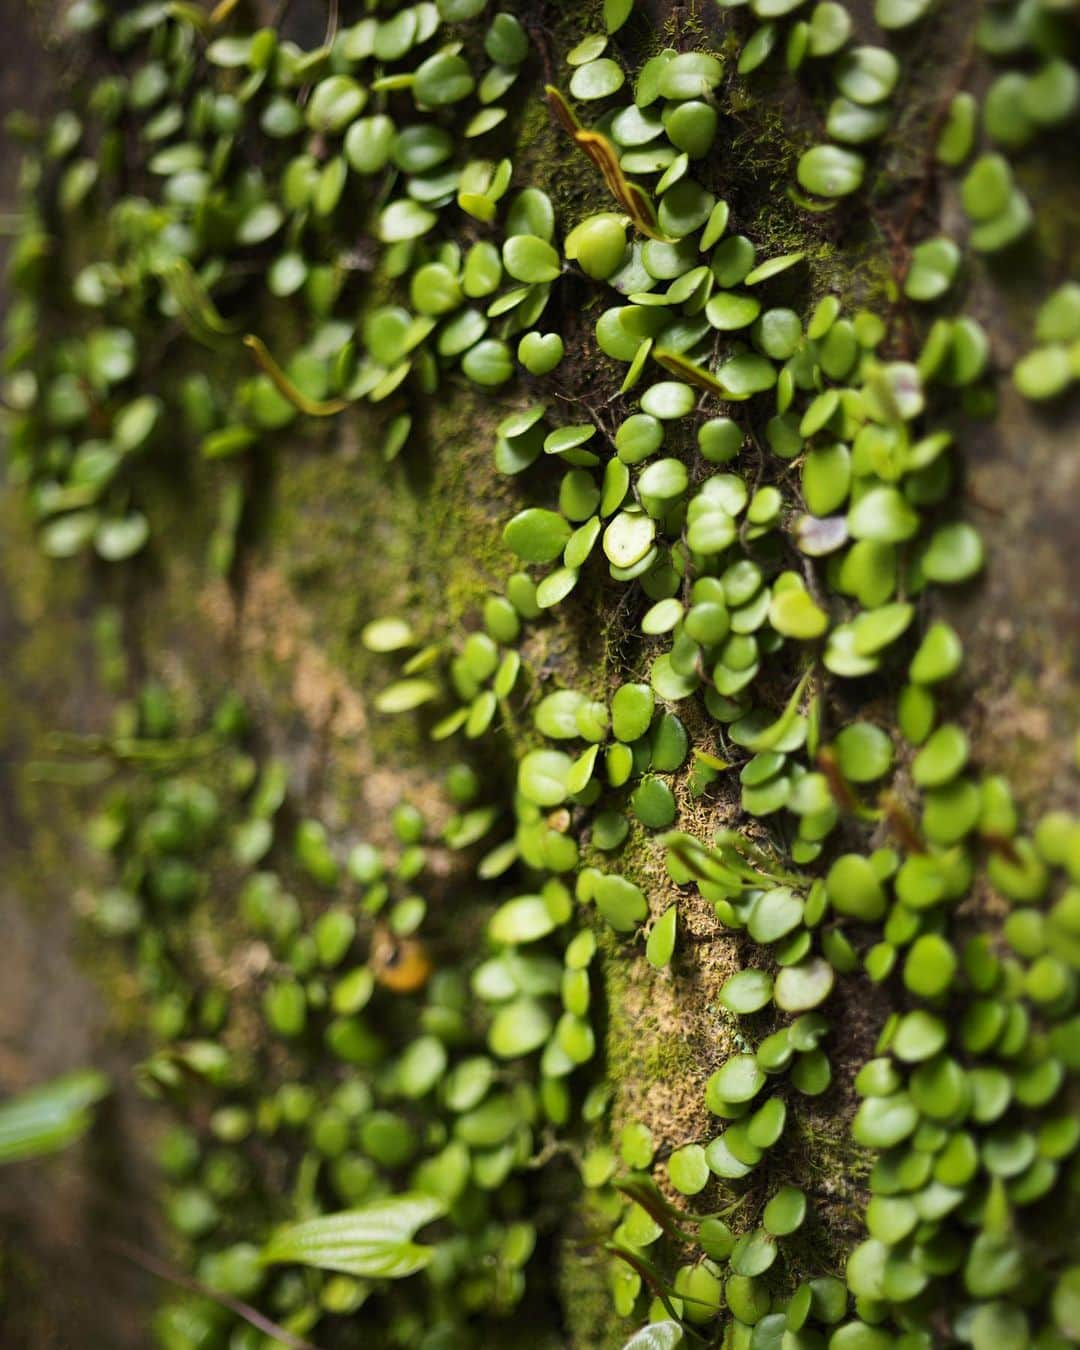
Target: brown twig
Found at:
x=899, y=821
x=251, y=1315
x=839, y=787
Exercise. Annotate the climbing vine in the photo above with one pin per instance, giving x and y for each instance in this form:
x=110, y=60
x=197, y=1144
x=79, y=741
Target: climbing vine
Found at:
x=738, y=462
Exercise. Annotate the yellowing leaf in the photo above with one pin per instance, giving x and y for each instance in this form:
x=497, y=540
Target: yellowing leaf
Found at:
x=633, y=200
x=190, y=13
x=222, y=10
x=693, y=374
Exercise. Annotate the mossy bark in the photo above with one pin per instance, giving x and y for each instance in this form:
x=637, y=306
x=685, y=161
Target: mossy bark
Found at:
x=339, y=537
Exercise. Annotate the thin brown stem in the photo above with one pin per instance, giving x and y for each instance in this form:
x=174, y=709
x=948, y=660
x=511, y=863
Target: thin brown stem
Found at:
x=331, y=24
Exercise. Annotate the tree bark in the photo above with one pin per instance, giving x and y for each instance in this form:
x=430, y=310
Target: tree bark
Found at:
x=340, y=537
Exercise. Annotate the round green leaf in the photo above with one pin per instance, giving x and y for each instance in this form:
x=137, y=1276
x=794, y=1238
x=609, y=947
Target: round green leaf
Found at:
x=829, y=171
x=785, y=1212
x=530, y=259
x=739, y=1079
x=442, y=79
x=537, y=535
x=661, y=945
x=542, y=777
x=804, y=985
x=688, y=1170
x=597, y=79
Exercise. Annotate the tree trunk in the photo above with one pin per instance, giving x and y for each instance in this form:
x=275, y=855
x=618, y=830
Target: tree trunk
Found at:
x=334, y=536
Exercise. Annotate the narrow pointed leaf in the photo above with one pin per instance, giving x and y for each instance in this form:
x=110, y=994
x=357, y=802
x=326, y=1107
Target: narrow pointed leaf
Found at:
x=634, y=201
x=373, y=1243
x=49, y=1117
x=287, y=389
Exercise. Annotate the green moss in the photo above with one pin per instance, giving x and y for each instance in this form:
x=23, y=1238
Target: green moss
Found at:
x=821, y=1159
x=685, y=29
x=585, y=1296
x=465, y=506
x=353, y=538
x=542, y=152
